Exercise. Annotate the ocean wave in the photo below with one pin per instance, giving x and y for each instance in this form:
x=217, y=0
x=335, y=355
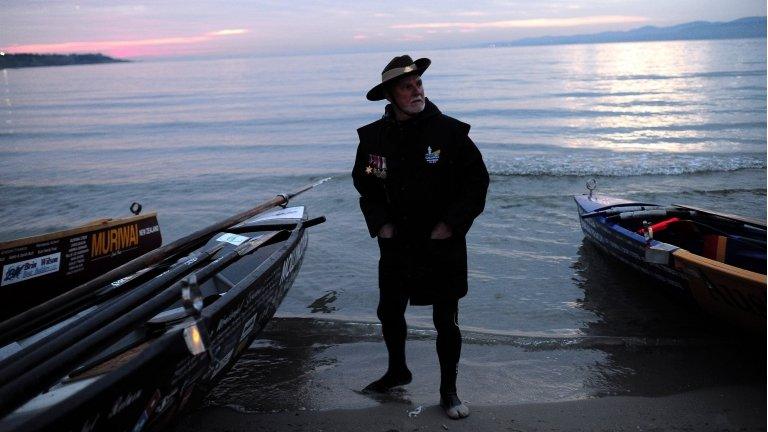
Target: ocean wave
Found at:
x=354, y=329
x=595, y=94
x=558, y=113
x=622, y=165
x=646, y=93
x=713, y=74
x=701, y=127
x=726, y=192
x=759, y=88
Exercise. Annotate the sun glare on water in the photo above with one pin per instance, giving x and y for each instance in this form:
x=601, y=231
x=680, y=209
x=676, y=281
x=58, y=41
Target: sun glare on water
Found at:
x=643, y=86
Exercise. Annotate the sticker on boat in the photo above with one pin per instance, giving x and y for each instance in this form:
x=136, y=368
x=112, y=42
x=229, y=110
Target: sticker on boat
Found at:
x=248, y=327
x=234, y=239
x=286, y=213
x=31, y=268
x=219, y=364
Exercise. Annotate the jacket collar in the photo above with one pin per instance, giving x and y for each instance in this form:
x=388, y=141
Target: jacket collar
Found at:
x=429, y=110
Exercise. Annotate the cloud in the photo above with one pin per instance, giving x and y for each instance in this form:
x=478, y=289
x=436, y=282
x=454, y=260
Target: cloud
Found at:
x=359, y=37
x=228, y=32
x=527, y=23
x=113, y=46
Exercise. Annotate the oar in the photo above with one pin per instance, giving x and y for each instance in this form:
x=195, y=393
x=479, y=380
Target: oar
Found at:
x=41, y=367
x=53, y=307
x=725, y=217
x=609, y=211
x=100, y=296
x=755, y=243
x=662, y=212
x=58, y=340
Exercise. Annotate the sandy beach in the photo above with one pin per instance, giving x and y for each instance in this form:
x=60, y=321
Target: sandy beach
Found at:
x=717, y=409
x=305, y=375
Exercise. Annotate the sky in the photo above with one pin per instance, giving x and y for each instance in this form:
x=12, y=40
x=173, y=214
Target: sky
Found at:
x=183, y=28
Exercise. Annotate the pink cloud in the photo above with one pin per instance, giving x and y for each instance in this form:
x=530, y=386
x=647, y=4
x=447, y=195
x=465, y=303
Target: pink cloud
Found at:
x=133, y=47
x=228, y=32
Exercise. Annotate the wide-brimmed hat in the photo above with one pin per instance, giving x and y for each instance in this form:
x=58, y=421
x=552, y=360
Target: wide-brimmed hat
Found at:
x=398, y=67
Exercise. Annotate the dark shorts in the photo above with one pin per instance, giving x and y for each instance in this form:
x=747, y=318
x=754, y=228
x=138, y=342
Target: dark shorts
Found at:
x=425, y=271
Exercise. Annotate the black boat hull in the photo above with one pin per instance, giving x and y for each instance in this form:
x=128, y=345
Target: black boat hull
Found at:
x=159, y=377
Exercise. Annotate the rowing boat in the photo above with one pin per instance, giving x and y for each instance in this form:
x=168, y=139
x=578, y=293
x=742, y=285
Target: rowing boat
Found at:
x=712, y=260
x=38, y=268
x=156, y=339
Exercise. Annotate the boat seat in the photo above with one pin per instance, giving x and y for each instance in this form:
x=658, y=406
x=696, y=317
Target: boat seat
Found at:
x=693, y=237
x=730, y=250
x=714, y=247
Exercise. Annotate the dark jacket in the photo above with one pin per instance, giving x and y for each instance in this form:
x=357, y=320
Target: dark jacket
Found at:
x=415, y=174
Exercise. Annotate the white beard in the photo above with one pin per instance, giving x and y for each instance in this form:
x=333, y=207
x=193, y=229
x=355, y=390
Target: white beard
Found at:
x=414, y=109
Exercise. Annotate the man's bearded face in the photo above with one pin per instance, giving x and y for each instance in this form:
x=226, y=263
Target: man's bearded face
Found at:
x=408, y=94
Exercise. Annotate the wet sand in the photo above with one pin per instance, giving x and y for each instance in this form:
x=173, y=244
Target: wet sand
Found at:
x=721, y=409
x=305, y=374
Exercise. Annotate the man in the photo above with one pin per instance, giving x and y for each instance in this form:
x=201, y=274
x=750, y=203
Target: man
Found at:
x=422, y=182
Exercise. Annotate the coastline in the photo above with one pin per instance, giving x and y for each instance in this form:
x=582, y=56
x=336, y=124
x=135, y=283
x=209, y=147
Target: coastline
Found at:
x=715, y=409
x=306, y=374
x=25, y=60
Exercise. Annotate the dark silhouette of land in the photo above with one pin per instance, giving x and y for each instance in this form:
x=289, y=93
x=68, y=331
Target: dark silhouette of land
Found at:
x=8, y=61
x=743, y=28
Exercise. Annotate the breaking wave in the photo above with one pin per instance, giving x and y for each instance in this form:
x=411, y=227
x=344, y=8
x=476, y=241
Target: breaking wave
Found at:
x=621, y=165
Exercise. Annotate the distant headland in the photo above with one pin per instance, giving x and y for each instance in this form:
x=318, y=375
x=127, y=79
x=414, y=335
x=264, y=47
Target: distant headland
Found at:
x=8, y=61
x=750, y=27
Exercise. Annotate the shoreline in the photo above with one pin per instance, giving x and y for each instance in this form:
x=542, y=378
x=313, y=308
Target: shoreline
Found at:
x=306, y=375
x=714, y=409
x=28, y=60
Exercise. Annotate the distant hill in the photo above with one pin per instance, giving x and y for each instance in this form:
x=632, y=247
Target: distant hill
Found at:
x=8, y=61
x=751, y=27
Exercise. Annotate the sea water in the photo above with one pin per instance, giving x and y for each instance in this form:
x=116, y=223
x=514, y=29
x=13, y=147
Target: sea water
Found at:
x=198, y=140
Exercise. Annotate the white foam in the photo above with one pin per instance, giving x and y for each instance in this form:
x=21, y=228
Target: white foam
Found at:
x=621, y=165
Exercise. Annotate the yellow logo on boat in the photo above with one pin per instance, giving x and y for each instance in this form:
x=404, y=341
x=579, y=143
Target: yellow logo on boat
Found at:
x=114, y=240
